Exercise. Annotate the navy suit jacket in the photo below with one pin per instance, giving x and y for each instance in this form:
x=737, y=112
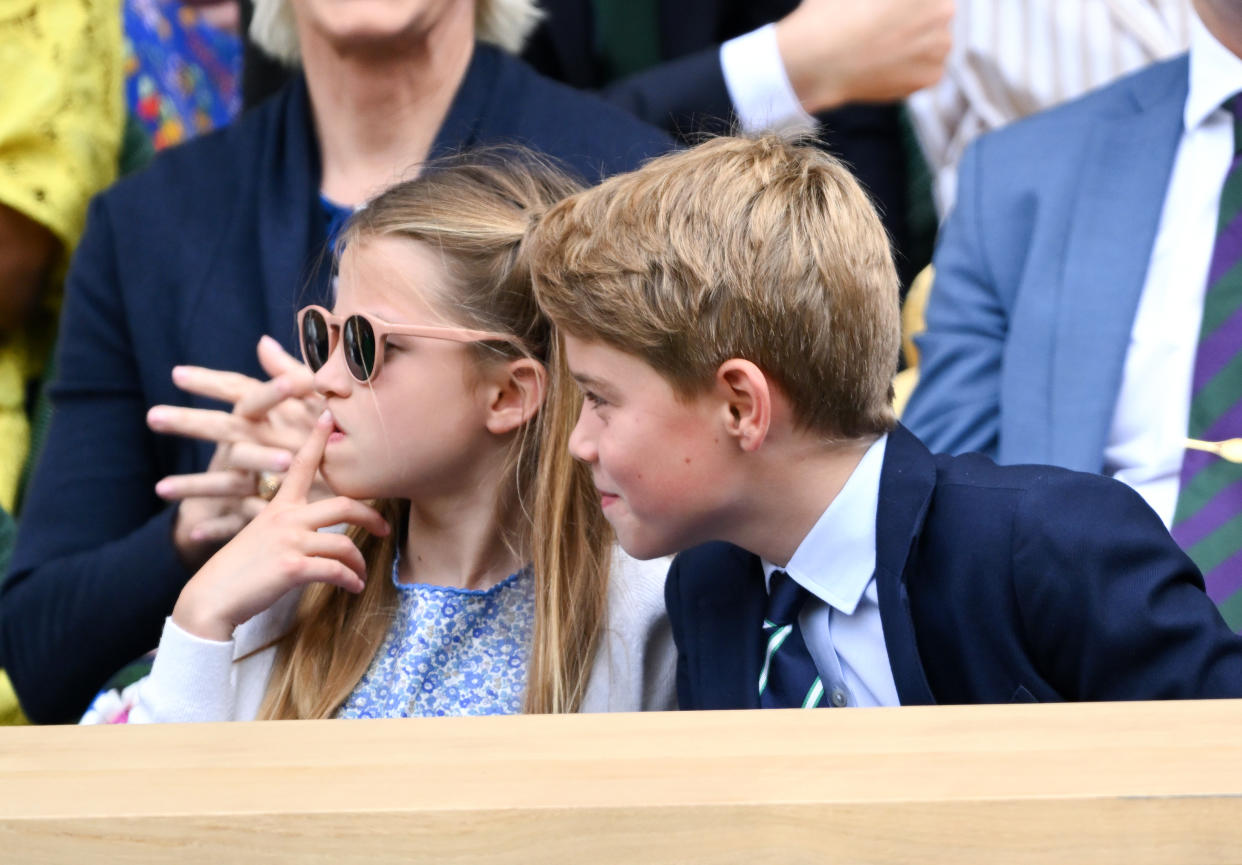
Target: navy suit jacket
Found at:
x=996, y=584
x=1039, y=270
x=190, y=262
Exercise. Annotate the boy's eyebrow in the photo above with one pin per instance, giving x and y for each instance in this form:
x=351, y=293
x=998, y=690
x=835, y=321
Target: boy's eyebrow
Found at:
x=587, y=381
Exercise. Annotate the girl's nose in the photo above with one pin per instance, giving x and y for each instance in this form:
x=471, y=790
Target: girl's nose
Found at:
x=333, y=378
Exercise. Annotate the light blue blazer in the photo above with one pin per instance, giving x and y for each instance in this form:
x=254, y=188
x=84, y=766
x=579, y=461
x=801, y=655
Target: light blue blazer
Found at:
x=1039, y=271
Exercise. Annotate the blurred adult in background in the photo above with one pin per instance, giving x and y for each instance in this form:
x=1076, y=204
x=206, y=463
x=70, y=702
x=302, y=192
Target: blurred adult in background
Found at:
x=61, y=119
x=61, y=116
x=1087, y=305
x=211, y=248
x=1011, y=59
x=835, y=67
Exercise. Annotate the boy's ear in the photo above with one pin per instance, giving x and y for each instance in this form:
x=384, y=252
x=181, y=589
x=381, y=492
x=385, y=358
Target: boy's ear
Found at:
x=515, y=394
x=747, y=406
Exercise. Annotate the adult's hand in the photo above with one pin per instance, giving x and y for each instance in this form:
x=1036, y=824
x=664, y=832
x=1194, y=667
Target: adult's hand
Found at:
x=839, y=51
x=280, y=550
x=269, y=421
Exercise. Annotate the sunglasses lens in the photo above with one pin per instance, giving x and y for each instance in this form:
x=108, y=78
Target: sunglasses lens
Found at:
x=359, y=347
x=316, y=341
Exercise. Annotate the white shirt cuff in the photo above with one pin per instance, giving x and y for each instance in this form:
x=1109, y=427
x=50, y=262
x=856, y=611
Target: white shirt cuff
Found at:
x=754, y=74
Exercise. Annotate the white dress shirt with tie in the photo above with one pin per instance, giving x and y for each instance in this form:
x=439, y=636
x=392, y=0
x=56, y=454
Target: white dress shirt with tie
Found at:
x=840, y=622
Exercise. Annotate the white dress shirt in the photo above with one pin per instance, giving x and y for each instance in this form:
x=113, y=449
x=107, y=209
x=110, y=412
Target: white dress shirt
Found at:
x=841, y=620
x=1145, y=442
x=754, y=73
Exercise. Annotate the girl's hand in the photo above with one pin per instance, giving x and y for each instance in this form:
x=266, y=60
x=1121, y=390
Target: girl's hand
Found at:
x=279, y=550
x=269, y=421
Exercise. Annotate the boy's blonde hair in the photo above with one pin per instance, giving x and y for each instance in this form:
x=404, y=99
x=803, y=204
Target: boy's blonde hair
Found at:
x=473, y=209
x=506, y=23
x=754, y=248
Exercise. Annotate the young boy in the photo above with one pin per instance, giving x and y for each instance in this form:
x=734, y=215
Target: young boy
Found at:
x=730, y=313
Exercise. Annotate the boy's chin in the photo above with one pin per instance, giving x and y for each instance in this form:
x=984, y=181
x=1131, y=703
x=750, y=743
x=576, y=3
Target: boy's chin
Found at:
x=644, y=549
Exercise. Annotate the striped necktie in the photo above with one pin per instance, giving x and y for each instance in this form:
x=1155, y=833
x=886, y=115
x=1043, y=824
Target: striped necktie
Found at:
x=788, y=678
x=1207, y=522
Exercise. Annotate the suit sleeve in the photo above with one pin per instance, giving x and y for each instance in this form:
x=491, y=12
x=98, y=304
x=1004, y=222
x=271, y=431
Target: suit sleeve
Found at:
x=685, y=97
x=956, y=406
x=672, y=602
x=95, y=571
x=1111, y=606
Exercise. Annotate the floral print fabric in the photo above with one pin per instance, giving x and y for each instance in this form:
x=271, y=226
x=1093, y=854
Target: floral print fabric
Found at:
x=451, y=652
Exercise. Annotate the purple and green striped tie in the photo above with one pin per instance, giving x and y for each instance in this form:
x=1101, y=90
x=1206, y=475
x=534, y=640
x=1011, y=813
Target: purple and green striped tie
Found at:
x=1207, y=522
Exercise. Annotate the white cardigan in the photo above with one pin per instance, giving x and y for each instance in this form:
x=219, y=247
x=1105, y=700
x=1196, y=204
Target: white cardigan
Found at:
x=198, y=680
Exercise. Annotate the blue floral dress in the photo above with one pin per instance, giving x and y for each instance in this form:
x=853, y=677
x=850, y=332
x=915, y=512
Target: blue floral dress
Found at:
x=451, y=652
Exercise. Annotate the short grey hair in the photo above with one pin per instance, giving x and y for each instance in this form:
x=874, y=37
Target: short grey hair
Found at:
x=506, y=23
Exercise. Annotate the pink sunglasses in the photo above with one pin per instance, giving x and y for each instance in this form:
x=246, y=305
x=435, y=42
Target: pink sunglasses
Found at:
x=318, y=329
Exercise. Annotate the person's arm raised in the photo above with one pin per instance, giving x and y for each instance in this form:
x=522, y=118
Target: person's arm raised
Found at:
x=280, y=550
x=841, y=51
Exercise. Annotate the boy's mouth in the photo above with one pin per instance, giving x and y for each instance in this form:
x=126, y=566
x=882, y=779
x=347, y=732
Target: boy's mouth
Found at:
x=607, y=498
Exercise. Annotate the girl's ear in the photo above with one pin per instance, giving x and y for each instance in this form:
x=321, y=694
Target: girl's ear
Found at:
x=515, y=393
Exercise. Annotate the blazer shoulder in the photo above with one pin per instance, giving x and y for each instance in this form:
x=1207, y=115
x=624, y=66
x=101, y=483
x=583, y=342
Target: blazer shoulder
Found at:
x=577, y=127
x=1128, y=94
x=202, y=172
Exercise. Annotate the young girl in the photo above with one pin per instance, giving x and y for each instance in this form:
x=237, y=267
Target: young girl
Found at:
x=479, y=579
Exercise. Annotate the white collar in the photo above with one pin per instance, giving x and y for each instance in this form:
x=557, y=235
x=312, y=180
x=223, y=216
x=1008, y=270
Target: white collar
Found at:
x=836, y=560
x=1215, y=75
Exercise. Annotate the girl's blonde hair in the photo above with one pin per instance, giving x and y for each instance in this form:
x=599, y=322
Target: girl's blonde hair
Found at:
x=506, y=23
x=474, y=210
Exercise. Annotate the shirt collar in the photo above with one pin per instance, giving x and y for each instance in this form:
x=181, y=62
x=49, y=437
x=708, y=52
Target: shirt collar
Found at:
x=1215, y=75
x=836, y=560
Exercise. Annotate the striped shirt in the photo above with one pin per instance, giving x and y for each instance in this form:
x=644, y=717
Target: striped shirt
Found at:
x=1011, y=58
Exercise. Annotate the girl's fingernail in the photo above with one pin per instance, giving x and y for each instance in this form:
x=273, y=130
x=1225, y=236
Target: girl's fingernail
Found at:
x=157, y=416
x=162, y=489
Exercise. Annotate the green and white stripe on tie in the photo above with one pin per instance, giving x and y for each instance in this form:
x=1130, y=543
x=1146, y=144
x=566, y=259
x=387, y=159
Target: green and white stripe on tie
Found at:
x=777, y=637
x=813, y=695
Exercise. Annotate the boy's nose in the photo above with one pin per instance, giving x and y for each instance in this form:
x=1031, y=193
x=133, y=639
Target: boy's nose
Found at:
x=581, y=440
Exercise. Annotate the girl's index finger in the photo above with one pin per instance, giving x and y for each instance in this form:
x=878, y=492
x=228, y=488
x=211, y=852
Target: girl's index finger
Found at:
x=262, y=398
x=212, y=383
x=301, y=474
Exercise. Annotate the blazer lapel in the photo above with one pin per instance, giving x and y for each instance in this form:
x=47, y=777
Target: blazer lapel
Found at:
x=1127, y=165
x=296, y=267
x=730, y=627
x=906, y=484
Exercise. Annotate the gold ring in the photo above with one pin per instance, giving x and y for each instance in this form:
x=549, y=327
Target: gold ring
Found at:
x=269, y=485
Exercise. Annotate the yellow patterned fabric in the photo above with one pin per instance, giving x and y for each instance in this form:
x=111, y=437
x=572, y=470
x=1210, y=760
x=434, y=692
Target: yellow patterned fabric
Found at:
x=11, y=714
x=61, y=119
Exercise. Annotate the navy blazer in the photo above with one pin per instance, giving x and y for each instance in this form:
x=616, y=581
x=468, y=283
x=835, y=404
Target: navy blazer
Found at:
x=996, y=584
x=1039, y=271
x=190, y=262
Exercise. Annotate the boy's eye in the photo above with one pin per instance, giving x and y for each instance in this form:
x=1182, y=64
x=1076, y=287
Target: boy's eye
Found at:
x=593, y=398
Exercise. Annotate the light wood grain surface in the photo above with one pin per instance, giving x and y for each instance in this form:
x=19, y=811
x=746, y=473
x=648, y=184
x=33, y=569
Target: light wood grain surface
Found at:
x=1126, y=783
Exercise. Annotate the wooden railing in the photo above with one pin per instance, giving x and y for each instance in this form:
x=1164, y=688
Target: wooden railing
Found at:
x=1128, y=783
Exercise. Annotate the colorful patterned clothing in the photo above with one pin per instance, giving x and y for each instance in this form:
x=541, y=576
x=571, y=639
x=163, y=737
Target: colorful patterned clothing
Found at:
x=181, y=72
x=451, y=652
